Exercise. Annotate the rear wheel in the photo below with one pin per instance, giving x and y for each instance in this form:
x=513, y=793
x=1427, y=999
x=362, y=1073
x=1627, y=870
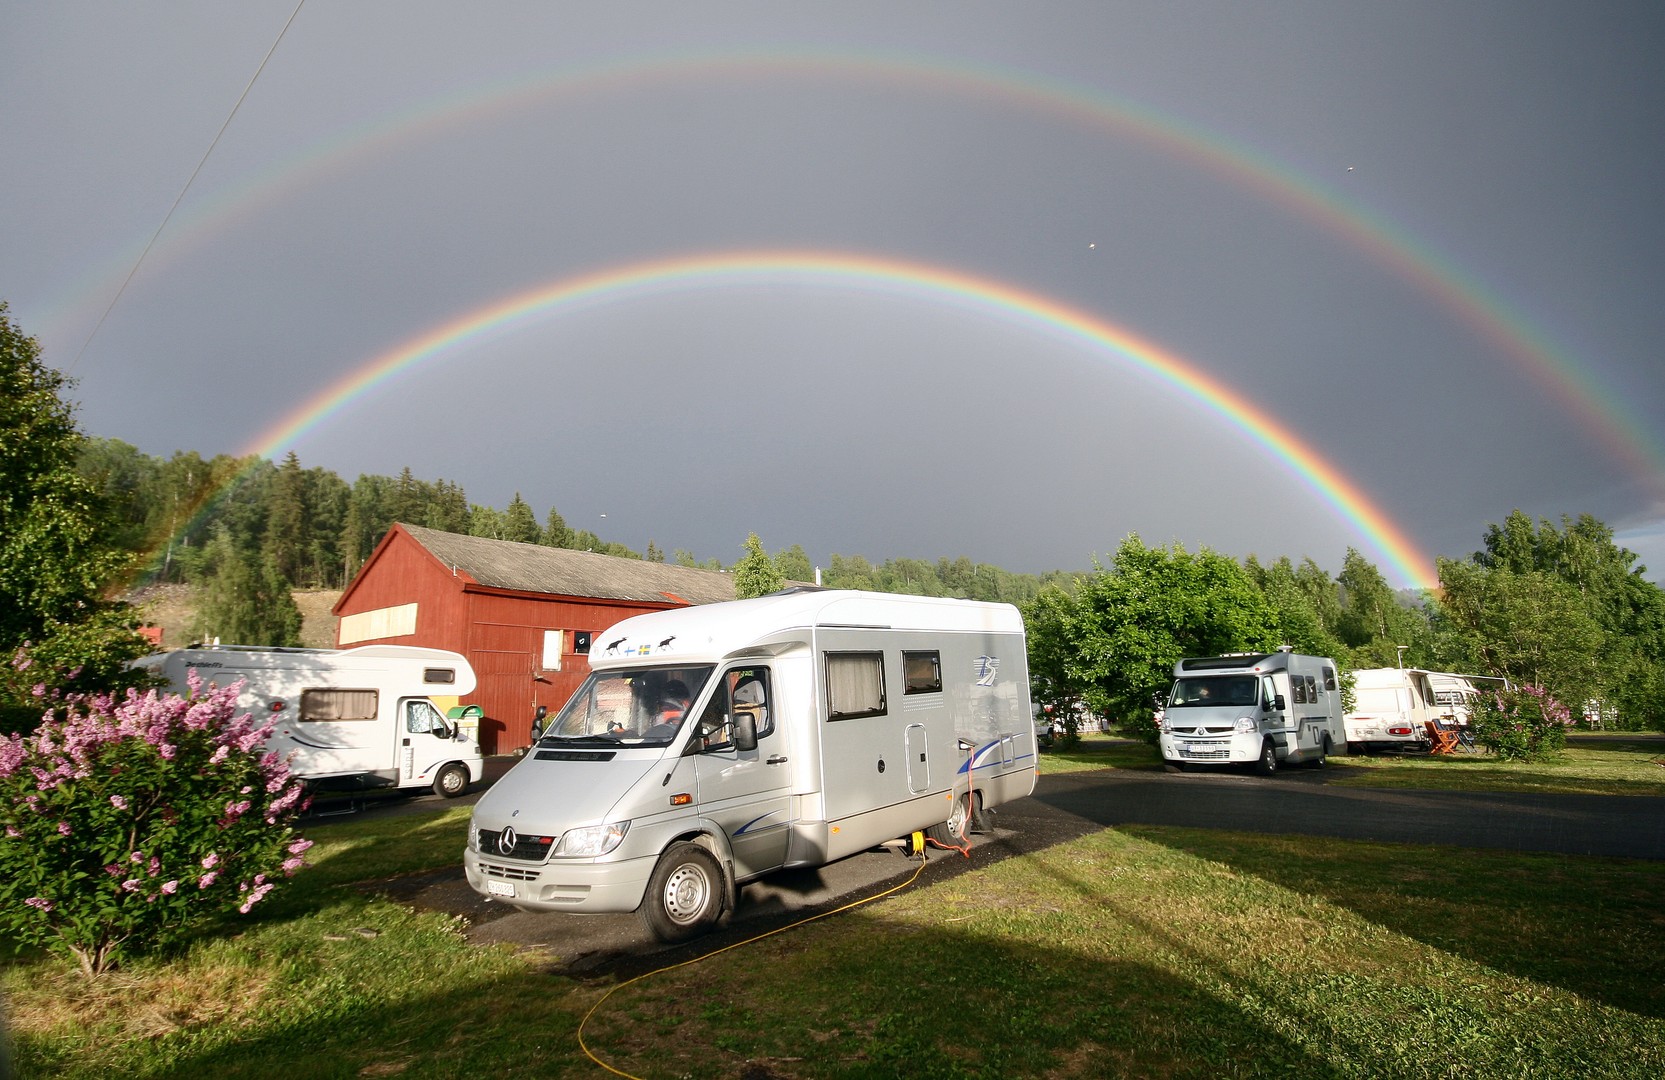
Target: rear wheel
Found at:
x=684, y=895
x=954, y=831
x=452, y=780
x=1323, y=752
x=1267, y=763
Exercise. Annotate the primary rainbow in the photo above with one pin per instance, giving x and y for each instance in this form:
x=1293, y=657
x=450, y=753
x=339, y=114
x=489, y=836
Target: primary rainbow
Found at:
x=1410, y=564
x=1598, y=407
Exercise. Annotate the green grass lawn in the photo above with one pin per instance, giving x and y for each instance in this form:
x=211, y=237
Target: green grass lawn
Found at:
x=1590, y=765
x=1132, y=951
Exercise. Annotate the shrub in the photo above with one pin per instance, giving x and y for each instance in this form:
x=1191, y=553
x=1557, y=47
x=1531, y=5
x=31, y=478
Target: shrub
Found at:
x=1522, y=723
x=127, y=823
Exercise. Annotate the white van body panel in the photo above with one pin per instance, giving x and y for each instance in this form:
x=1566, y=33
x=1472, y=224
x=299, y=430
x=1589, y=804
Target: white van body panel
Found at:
x=393, y=745
x=1243, y=713
x=816, y=788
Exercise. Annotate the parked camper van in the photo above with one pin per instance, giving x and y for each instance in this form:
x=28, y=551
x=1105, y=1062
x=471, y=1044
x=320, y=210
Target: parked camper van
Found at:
x=711, y=745
x=1267, y=708
x=350, y=718
x=1392, y=706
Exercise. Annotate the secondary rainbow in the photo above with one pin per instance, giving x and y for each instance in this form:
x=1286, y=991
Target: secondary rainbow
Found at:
x=854, y=271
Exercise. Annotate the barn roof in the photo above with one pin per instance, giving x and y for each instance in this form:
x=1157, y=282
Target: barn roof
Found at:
x=505, y=564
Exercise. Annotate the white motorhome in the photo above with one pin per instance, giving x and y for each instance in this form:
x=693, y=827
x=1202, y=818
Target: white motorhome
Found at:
x=347, y=719
x=712, y=745
x=1271, y=709
x=1392, y=706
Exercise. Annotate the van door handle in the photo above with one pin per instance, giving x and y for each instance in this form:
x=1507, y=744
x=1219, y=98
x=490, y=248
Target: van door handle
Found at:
x=777, y=759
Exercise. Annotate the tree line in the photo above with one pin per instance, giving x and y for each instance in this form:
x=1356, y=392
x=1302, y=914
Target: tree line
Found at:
x=1558, y=606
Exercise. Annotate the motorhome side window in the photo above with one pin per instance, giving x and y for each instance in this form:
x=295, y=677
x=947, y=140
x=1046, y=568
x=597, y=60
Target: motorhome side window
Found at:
x=744, y=690
x=421, y=717
x=330, y=706
x=855, y=685
x=921, y=672
x=1299, y=686
x=1329, y=678
x=439, y=675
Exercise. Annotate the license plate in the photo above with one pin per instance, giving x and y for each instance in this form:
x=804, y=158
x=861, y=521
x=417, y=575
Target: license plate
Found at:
x=500, y=888
x=1199, y=747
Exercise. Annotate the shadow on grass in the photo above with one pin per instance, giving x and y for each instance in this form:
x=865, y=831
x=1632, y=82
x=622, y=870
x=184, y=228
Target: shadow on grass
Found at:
x=930, y=1003
x=1589, y=925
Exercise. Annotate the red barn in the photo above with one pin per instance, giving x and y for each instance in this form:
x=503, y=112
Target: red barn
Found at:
x=523, y=614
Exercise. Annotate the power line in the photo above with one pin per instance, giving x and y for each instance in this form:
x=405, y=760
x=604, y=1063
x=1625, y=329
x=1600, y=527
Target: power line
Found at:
x=181, y=197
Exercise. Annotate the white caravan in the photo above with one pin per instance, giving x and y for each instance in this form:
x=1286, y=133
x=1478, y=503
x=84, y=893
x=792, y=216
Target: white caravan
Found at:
x=819, y=724
x=1271, y=709
x=1392, y=706
x=351, y=718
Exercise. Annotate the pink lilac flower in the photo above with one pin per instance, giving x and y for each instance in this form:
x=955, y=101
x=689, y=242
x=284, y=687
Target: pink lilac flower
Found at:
x=170, y=887
x=299, y=846
x=207, y=879
x=13, y=832
x=130, y=885
x=118, y=802
x=292, y=865
x=63, y=828
x=40, y=902
x=210, y=860
x=254, y=898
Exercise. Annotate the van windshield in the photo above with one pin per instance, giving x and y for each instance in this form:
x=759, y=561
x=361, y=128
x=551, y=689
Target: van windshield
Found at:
x=630, y=708
x=1220, y=690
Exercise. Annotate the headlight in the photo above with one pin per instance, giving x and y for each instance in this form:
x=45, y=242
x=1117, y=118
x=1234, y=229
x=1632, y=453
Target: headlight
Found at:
x=591, y=842
x=1162, y=724
x=1245, y=725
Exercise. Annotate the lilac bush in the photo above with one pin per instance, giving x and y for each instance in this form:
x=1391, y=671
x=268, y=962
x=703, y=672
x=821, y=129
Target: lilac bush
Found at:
x=1522, y=723
x=128, y=822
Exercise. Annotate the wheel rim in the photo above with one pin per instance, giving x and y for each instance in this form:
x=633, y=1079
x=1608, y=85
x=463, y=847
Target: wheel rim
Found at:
x=452, y=780
x=957, y=819
x=687, y=892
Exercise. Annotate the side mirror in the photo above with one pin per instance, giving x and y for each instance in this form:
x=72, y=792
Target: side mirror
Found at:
x=1276, y=704
x=745, y=731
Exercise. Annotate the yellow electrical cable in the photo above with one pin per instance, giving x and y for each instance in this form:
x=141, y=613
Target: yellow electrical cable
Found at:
x=717, y=952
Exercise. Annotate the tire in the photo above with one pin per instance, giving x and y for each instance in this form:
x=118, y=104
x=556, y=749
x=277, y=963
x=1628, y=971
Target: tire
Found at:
x=1323, y=753
x=452, y=780
x=685, y=894
x=1267, y=763
x=957, y=829
x=1174, y=766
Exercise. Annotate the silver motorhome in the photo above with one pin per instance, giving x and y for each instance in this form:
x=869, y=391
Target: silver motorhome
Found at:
x=349, y=718
x=1270, y=709
x=714, y=744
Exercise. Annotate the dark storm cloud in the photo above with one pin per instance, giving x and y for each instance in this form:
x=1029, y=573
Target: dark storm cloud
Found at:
x=1511, y=145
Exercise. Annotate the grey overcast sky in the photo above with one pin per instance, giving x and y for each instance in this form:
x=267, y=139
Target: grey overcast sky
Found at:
x=1008, y=281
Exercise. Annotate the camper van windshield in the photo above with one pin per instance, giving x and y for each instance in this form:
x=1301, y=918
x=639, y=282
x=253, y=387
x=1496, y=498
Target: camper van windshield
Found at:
x=630, y=708
x=1222, y=690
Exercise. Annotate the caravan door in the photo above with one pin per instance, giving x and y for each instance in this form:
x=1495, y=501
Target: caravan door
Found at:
x=746, y=792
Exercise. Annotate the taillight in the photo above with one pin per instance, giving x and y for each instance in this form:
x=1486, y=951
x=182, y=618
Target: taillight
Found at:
x=1399, y=731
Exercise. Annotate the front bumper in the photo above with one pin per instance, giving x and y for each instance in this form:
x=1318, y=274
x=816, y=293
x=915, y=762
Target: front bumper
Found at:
x=584, y=885
x=1212, y=749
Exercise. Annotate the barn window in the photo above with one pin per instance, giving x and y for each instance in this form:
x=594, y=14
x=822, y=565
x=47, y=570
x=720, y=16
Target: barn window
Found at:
x=329, y=706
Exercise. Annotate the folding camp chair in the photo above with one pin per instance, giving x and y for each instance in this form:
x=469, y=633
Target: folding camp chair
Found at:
x=1440, y=740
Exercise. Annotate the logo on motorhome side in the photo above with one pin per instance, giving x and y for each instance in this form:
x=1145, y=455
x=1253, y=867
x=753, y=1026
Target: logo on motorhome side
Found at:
x=987, y=667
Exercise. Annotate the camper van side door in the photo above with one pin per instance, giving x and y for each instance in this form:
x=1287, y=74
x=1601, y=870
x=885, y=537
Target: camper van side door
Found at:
x=745, y=791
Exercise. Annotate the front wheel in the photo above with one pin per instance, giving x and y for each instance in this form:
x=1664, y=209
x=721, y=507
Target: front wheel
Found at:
x=452, y=780
x=1267, y=763
x=684, y=895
